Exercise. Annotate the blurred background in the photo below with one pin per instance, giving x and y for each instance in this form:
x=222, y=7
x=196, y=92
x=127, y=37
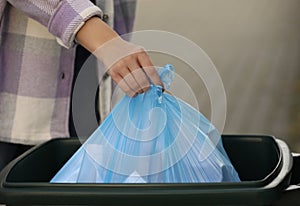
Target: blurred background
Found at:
x=255, y=46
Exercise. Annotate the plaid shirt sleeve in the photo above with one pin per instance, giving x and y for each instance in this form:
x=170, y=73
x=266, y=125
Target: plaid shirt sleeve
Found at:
x=63, y=18
x=36, y=73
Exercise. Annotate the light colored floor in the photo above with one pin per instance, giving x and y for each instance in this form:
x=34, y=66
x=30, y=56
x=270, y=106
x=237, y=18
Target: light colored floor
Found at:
x=255, y=46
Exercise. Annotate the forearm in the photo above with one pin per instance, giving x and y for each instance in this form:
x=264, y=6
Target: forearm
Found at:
x=94, y=34
x=126, y=63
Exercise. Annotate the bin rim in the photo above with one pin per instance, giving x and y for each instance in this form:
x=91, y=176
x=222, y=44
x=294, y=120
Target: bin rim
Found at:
x=225, y=185
x=39, y=192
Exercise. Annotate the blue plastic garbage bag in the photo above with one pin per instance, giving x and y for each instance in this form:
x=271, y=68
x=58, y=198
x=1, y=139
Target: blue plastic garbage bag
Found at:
x=151, y=138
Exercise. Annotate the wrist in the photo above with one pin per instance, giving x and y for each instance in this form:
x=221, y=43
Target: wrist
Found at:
x=94, y=33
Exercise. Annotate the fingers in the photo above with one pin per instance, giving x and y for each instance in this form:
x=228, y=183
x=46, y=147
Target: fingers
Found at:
x=149, y=68
x=129, y=76
x=139, y=76
x=123, y=85
x=129, y=66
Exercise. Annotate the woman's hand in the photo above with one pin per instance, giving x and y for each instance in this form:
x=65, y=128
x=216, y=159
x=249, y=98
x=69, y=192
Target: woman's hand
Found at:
x=128, y=64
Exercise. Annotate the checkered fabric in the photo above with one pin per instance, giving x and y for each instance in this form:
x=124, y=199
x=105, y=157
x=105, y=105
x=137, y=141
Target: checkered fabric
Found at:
x=37, y=61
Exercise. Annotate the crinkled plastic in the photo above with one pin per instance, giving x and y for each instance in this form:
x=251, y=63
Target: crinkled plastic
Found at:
x=151, y=138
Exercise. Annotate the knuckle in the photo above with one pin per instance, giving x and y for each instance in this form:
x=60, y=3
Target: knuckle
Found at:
x=127, y=77
x=142, y=54
x=121, y=63
x=129, y=59
x=141, y=50
x=112, y=72
x=151, y=72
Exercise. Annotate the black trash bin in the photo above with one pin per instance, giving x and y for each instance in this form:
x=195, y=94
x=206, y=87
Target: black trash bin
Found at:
x=265, y=166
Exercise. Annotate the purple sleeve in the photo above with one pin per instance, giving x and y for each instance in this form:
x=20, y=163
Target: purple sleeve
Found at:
x=63, y=18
